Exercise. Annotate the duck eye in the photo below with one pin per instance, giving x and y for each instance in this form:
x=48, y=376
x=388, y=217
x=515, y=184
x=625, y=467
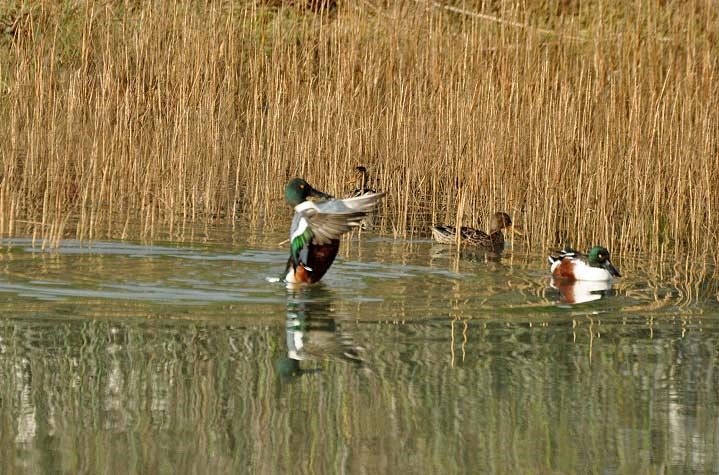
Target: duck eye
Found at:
x=302, y=186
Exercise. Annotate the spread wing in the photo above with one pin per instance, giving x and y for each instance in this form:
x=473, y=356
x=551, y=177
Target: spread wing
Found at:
x=322, y=222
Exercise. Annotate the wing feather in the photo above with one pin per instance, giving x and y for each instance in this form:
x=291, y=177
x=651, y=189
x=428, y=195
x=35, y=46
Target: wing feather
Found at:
x=328, y=220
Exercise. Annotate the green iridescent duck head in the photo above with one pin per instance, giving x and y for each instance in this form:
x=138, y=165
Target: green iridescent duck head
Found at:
x=599, y=257
x=298, y=191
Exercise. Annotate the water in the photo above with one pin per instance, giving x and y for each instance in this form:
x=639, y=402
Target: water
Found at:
x=188, y=358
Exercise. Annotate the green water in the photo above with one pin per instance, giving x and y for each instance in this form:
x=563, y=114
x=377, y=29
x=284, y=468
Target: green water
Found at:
x=189, y=358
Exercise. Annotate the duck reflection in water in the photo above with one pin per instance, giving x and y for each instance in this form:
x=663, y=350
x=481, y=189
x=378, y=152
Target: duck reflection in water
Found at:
x=313, y=335
x=580, y=291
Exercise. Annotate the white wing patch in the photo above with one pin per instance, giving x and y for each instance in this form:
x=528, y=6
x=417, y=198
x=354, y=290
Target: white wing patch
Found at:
x=583, y=271
x=328, y=220
x=302, y=226
x=305, y=205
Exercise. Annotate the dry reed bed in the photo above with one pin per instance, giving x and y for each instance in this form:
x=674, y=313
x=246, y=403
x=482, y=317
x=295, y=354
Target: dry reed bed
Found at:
x=161, y=113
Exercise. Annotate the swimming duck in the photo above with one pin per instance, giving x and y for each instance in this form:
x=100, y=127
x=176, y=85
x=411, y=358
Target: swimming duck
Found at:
x=493, y=241
x=360, y=181
x=317, y=226
x=571, y=265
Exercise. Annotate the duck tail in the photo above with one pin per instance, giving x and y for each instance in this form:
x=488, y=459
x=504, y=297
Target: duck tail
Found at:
x=559, y=255
x=443, y=234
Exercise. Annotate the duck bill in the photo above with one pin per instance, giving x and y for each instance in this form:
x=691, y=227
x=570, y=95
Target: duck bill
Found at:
x=320, y=195
x=611, y=269
x=517, y=230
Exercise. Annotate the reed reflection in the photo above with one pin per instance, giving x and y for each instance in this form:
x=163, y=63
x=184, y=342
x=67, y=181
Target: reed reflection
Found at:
x=313, y=334
x=465, y=254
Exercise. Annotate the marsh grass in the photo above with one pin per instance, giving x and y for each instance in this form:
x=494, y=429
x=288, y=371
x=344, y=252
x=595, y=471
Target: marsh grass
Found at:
x=589, y=122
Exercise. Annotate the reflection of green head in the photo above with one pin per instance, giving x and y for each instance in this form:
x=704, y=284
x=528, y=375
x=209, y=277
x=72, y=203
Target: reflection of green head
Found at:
x=297, y=191
x=599, y=257
x=287, y=367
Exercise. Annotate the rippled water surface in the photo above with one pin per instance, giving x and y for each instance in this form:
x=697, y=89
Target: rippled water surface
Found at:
x=190, y=358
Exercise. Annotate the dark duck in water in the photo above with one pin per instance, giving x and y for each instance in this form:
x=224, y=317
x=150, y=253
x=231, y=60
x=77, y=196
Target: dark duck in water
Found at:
x=494, y=241
x=360, y=182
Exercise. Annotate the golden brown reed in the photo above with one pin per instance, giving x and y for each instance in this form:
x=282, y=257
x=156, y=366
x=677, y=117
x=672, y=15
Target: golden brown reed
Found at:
x=589, y=122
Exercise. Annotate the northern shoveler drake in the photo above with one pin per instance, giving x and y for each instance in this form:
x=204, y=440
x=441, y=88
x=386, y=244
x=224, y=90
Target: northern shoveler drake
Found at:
x=360, y=182
x=571, y=265
x=493, y=241
x=317, y=226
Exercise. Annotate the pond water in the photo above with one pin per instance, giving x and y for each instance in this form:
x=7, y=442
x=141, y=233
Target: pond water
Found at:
x=190, y=358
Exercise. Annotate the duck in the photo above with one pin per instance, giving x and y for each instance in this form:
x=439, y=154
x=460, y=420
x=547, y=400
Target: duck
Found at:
x=360, y=182
x=570, y=265
x=317, y=225
x=493, y=241
x=360, y=186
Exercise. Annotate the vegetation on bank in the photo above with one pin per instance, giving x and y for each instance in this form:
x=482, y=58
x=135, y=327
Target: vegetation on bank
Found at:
x=588, y=122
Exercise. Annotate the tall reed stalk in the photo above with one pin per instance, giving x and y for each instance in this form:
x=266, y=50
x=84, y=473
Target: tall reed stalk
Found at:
x=589, y=122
